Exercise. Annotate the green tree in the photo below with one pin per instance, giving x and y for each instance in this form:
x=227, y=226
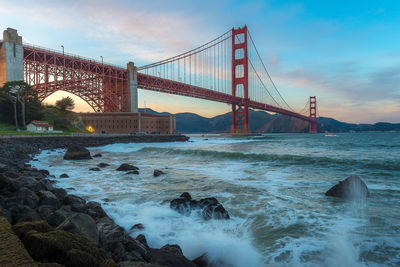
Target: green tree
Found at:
x=65, y=103
x=18, y=95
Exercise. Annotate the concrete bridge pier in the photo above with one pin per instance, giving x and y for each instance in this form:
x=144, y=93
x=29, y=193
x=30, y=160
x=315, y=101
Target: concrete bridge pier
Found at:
x=133, y=86
x=11, y=57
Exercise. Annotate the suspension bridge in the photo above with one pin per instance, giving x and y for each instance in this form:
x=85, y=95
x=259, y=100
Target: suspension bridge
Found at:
x=228, y=69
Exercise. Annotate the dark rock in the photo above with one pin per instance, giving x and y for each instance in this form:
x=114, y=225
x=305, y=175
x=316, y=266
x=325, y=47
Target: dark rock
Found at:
x=63, y=247
x=83, y=224
x=45, y=211
x=25, y=196
x=137, y=227
x=173, y=249
x=76, y=152
x=186, y=195
x=127, y=167
x=64, y=175
x=73, y=200
x=58, y=216
x=60, y=193
x=157, y=173
x=10, y=184
x=3, y=167
x=142, y=239
x=133, y=172
x=181, y=205
x=97, y=155
x=48, y=198
x=350, y=188
x=201, y=261
x=210, y=208
x=165, y=257
x=45, y=172
x=94, y=169
x=11, y=174
x=103, y=165
x=94, y=210
x=22, y=213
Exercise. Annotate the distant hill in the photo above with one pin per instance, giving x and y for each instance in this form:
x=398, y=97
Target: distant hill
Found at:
x=263, y=122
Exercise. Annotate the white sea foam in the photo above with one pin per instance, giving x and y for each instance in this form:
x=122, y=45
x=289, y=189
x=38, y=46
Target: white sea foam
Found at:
x=269, y=204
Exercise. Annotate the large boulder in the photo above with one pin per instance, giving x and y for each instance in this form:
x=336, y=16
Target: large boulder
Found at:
x=83, y=224
x=62, y=247
x=350, y=188
x=77, y=152
x=168, y=258
x=127, y=167
x=27, y=197
x=209, y=208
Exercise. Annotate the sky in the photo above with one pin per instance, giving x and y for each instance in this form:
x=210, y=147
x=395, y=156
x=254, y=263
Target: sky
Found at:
x=346, y=53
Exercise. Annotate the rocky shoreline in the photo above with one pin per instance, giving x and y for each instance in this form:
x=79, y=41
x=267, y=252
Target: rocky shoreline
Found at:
x=42, y=225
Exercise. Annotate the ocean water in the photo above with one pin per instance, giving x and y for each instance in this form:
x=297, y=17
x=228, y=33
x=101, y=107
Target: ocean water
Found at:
x=273, y=187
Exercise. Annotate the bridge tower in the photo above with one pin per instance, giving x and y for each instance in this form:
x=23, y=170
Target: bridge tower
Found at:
x=240, y=81
x=11, y=57
x=313, y=114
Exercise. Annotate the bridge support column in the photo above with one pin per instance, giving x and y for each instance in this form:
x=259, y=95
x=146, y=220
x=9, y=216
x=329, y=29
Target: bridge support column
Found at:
x=313, y=114
x=240, y=80
x=133, y=87
x=11, y=57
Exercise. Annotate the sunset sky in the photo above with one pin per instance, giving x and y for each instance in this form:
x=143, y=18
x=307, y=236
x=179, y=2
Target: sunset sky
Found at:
x=347, y=53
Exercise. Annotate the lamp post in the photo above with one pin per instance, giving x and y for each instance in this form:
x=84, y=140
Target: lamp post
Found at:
x=101, y=60
x=62, y=49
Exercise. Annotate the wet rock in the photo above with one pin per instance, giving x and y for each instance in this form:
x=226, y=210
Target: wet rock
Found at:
x=175, y=249
x=186, y=195
x=133, y=172
x=64, y=175
x=103, y=165
x=142, y=239
x=76, y=152
x=48, y=198
x=83, y=224
x=45, y=172
x=60, y=193
x=73, y=200
x=98, y=155
x=3, y=167
x=25, y=196
x=157, y=173
x=212, y=209
x=94, y=169
x=94, y=210
x=9, y=184
x=22, y=213
x=202, y=261
x=167, y=258
x=137, y=264
x=11, y=174
x=137, y=227
x=350, y=188
x=209, y=208
x=127, y=167
x=45, y=211
x=181, y=205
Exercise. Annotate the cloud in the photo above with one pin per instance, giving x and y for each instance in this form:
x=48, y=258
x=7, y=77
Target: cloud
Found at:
x=143, y=31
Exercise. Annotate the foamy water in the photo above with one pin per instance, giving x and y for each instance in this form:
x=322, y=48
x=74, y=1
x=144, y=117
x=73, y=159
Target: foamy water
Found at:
x=273, y=188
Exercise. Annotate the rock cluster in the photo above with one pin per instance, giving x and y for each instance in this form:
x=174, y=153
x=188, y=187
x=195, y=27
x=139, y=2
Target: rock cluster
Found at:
x=42, y=223
x=209, y=208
